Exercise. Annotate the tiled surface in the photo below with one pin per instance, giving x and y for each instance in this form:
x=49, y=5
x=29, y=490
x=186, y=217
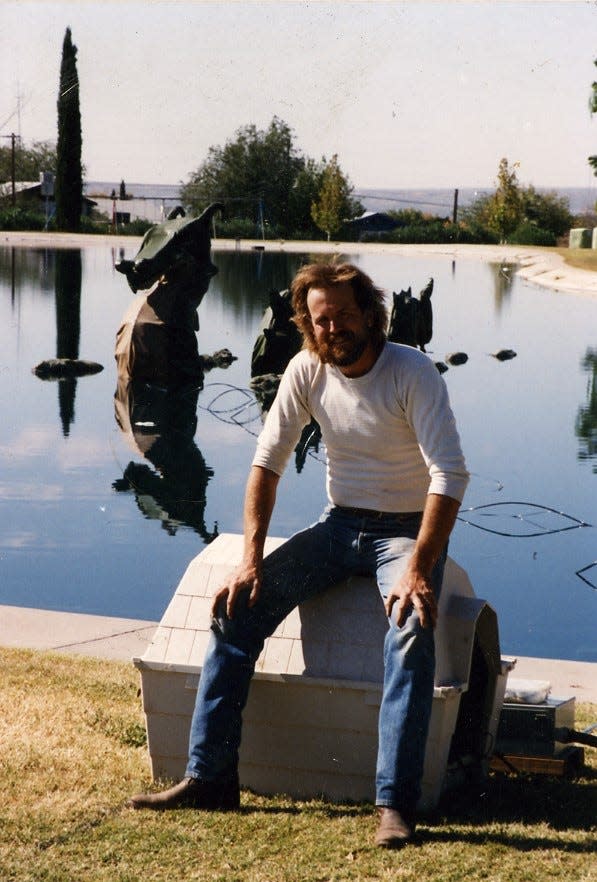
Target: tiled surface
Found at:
x=339, y=635
x=310, y=725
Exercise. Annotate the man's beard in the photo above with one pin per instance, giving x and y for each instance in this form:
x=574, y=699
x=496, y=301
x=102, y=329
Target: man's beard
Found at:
x=343, y=350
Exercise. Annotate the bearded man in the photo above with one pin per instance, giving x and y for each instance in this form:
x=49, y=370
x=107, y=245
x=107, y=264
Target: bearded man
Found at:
x=395, y=479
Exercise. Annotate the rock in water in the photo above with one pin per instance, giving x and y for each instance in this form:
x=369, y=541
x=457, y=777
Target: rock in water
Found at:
x=457, y=358
x=504, y=354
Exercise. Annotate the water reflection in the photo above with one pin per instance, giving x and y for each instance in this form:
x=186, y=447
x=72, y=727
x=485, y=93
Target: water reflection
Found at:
x=586, y=421
x=20, y=268
x=246, y=277
x=503, y=278
x=67, y=280
x=160, y=424
x=74, y=502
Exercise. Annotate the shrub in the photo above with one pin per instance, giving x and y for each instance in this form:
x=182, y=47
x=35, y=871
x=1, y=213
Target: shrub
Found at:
x=137, y=227
x=527, y=233
x=21, y=219
x=435, y=231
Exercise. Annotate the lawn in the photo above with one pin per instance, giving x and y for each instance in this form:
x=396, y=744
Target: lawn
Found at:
x=582, y=258
x=72, y=751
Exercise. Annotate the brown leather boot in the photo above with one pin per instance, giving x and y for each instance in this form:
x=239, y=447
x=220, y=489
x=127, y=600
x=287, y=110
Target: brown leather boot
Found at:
x=222, y=794
x=394, y=829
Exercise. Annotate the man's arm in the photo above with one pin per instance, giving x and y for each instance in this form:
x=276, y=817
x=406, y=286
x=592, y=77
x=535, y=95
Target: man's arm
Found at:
x=260, y=497
x=414, y=587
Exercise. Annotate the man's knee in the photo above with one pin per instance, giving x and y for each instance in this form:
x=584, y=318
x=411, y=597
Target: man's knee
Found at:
x=411, y=644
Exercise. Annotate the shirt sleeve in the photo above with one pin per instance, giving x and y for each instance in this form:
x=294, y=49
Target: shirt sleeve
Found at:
x=430, y=415
x=287, y=417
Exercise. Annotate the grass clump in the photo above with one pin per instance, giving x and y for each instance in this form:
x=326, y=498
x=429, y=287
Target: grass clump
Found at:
x=72, y=751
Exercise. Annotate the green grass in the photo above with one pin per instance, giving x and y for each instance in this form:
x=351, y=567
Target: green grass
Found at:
x=581, y=258
x=72, y=751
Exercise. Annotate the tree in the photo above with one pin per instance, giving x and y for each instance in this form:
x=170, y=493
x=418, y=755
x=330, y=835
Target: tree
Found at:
x=29, y=161
x=546, y=211
x=504, y=208
x=534, y=217
x=253, y=174
x=304, y=192
x=334, y=204
x=261, y=177
x=69, y=171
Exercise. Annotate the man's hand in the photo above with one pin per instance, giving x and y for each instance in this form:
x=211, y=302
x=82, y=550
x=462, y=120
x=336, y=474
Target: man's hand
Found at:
x=246, y=577
x=413, y=591
x=260, y=496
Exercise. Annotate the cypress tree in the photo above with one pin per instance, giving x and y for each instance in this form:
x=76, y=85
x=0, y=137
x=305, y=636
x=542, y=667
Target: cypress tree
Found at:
x=69, y=173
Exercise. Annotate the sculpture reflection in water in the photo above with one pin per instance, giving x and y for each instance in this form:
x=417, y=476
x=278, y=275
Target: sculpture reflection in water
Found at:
x=160, y=371
x=160, y=424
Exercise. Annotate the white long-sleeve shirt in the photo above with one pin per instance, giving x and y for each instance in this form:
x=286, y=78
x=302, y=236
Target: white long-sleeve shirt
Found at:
x=390, y=435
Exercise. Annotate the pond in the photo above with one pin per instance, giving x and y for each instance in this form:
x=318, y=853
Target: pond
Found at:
x=95, y=517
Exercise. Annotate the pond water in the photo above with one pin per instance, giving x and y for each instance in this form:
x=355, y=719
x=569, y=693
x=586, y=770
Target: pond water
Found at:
x=95, y=517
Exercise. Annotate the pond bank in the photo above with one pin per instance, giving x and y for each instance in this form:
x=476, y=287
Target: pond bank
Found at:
x=539, y=266
x=121, y=639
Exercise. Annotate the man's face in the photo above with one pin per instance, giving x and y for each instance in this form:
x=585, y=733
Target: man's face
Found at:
x=341, y=329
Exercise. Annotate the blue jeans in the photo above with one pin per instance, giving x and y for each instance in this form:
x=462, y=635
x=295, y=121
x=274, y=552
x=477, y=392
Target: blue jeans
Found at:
x=339, y=545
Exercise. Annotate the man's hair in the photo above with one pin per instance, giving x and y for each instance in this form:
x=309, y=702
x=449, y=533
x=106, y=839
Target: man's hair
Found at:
x=369, y=298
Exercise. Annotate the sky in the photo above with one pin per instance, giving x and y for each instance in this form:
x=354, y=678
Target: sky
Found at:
x=408, y=94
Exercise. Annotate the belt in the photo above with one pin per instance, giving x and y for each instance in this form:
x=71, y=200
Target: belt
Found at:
x=375, y=515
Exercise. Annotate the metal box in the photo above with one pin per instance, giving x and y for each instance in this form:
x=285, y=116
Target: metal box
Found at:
x=530, y=729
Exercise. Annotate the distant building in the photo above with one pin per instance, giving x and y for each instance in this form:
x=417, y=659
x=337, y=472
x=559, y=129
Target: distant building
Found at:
x=28, y=195
x=372, y=222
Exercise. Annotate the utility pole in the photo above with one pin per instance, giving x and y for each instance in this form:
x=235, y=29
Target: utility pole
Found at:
x=455, y=211
x=13, y=139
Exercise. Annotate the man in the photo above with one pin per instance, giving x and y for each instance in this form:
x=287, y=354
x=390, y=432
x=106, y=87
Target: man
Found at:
x=395, y=480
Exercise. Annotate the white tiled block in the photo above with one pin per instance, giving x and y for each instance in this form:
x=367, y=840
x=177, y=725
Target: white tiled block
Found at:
x=199, y=613
x=156, y=651
x=167, y=767
x=291, y=626
x=298, y=703
x=199, y=648
x=315, y=749
x=303, y=738
x=307, y=729
x=180, y=646
x=169, y=693
x=176, y=612
x=168, y=735
x=218, y=573
x=348, y=664
x=195, y=579
x=277, y=655
x=296, y=663
x=304, y=784
x=316, y=657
